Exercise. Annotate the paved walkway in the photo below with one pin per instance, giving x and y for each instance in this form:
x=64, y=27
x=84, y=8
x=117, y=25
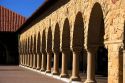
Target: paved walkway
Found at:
x=15, y=74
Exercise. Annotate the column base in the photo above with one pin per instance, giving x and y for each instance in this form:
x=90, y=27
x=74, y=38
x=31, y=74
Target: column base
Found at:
x=30, y=66
x=55, y=73
x=38, y=68
x=42, y=69
x=48, y=71
x=75, y=78
x=90, y=81
x=34, y=67
x=64, y=76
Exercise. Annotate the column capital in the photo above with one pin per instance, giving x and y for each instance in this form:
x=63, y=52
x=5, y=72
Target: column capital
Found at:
x=91, y=48
x=65, y=49
x=55, y=50
x=49, y=51
x=77, y=49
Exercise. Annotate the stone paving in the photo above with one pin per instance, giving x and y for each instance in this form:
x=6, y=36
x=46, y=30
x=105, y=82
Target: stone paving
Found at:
x=15, y=74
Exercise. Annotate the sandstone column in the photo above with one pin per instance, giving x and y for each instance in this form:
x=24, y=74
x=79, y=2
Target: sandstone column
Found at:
x=28, y=54
x=91, y=65
x=64, y=71
x=56, y=63
x=38, y=61
x=43, y=64
x=75, y=66
x=48, y=68
x=115, y=62
x=22, y=53
x=34, y=60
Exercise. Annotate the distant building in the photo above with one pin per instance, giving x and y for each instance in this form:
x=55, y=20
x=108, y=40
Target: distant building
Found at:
x=9, y=24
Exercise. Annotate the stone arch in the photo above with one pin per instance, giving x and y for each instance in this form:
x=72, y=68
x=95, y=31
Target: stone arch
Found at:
x=43, y=41
x=96, y=26
x=124, y=35
x=31, y=44
x=49, y=46
x=34, y=44
x=66, y=52
x=57, y=38
x=78, y=38
x=49, y=40
x=31, y=50
x=38, y=42
x=95, y=39
x=78, y=32
x=66, y=36
x=122, y=61
x=28, y=45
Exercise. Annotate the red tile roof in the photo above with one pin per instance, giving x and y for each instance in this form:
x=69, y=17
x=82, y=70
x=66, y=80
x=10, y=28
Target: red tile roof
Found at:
x=9, y=20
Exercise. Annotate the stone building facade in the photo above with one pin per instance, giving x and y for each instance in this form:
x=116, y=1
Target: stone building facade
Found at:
x=68, y=27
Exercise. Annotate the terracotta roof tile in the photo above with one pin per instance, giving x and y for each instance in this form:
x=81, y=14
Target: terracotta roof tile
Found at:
x=9, y=20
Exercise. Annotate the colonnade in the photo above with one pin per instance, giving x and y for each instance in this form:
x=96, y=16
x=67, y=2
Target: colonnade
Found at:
x=37, y=49
x=33, y=55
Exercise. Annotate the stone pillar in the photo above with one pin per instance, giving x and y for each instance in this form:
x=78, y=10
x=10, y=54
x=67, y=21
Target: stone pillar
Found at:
x=24, y=53
x=28, y=52
x=34, y=61
x=28, y=59
x=75, y=65
x=48, y=68
x=20, y=52
x=56, y=63
x=31, y=60
x=38, y=61
x=91, y=65
x=64, y=71
x=43, y=64
x=115, y=63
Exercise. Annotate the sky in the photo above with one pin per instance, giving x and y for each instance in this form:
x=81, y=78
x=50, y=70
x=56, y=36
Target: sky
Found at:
x=23, y=7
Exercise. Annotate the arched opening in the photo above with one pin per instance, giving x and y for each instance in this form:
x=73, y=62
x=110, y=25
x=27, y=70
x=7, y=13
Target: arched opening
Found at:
x=123, y=57
x=43, y=41
x=39, y=55
x=57, y=38
x=34, y=51
x=31, y=51
x=57, y=43
x=66, y=36
x=44, y=57
x=66, y=43
x=96, y=39
x=49, y=45
x=78, y=38
x=34, y=44
x=38, y=42
x=3, y=55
